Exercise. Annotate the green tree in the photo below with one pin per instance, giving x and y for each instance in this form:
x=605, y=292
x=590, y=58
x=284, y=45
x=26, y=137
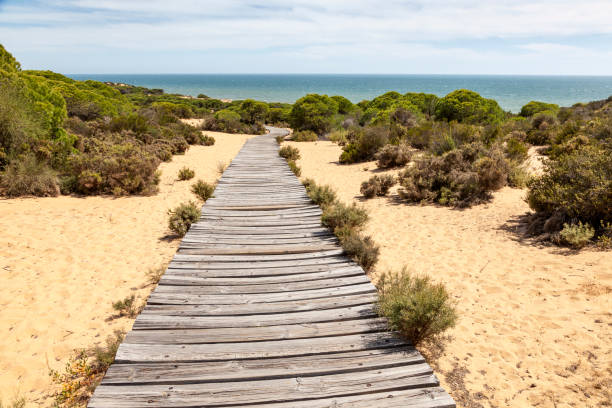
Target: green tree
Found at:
x=253, y=111
x=344, y=105
x=534, y=107
x=467, y=106
x=313, y=112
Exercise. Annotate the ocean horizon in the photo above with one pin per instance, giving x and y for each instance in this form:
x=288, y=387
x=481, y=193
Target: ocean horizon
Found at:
x=510, y=91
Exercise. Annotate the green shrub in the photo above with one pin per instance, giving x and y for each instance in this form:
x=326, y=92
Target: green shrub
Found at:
x=577, y=235
x=417, y=308
x=203, y=189
x=294, y=168
x=181, y=217
x=338, y=216
x=304, y=136
x=575, y=186
x=28, y=176
x=252, y=111
x=360, y=249
x=279, y=139
x=534, y=107
x=393, y=156
x=313, y=112
x=126, y=307
x=377, y=185
x=207, y=140
x=516, y=149
x=186, y=174
x=604, y=240
x=320, y=195
x=344, y=105
x=518, y=177
x=467, y=106
x=365, y=146
x=289, y=153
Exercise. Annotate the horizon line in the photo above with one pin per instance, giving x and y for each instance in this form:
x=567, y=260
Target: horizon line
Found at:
x=329, y=74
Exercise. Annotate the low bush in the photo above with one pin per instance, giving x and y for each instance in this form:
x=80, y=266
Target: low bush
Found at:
x=460, y=177
x=320, y=195
x=338, y=136
x=186, y=174
x=377, y=186
x=359, y=248
x=279, y=139
x=576, y=187
x=83, y=372
x=393, y=156
x=221, y=166
x=534, y=107
x=181, y=217
x=29, y=176
x=154, y=275
x=417, y=308
x=294, y=168
x=516, y=149
x=577, y=235
x=339, y=216
x=202, y=189
x=364, y=145
x=207, y=140
x=604, y=240
x=518, y=176
x=304, y=136
x=126, y=307
x=289, y=153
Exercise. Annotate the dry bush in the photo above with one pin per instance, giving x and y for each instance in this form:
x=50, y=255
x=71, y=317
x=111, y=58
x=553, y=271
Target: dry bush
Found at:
x=377, y=185
x=207, y=140
x=294, y=168
x=417, y=308
x=289, y=153
x=364, y=144
x=186, y=174
x=181, y=217
x=304, y=136
x=393, y=156
x=83, y=372
x=29, y=177
x=127, y=307
x=359, y=248
x=279, y=139
x=221, y=166
x=577, y=235
x=202, y=189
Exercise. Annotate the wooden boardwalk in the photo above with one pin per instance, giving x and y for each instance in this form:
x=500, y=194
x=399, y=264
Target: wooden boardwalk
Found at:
x=260, y=308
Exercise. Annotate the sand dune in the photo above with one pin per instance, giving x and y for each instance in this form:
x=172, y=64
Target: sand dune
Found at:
x=536, y=323
x=64, y=260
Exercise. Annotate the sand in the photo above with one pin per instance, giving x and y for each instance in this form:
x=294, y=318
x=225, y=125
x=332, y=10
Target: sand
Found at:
x=535, y=323
x=65, y=260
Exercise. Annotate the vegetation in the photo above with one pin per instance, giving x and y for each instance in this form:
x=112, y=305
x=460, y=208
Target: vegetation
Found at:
x=297, y=170
x=16, y=402
x=323, y=196
x=417, y=308
x=313, y=112
x=127, y=306
x=186, y=173
x=83, y=372
x=393, y=156
x=289, y=153
x=377, y=186
x=207, y=140
x=304, y=136
x=181, y=217
x=203, y=189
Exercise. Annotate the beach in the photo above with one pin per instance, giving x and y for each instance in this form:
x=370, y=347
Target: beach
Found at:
x=65, y=260
x=535, y=322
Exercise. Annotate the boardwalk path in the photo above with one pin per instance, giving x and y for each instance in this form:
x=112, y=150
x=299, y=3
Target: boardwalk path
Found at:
x=259, y=307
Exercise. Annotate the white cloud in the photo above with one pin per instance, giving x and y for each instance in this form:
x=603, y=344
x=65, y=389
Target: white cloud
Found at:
x=308, y=30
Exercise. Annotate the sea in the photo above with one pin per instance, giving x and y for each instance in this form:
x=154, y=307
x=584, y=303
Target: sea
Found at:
x=510, y=91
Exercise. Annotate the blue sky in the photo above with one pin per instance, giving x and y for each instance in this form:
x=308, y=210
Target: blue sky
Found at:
x=311, y=36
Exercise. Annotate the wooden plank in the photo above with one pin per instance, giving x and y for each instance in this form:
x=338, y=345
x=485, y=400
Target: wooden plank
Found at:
x=217, y=371
x=274, y=390
x=265, y=333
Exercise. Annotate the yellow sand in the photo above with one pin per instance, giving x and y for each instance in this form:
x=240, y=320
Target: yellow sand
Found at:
x=535, y=322
x=65, y=260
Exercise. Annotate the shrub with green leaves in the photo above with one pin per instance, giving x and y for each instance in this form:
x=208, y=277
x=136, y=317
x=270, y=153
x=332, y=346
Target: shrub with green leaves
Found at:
x=127, y=306
x=361, y=249
x=575, y=187
x=338, y=136
x=181, y=217
x=534, y=107
x=203, y=189
x=289, y=153
x=420, y=310
x=341, y=216
x=294, y=168
x=304, y=136
x=186, y=174
x=377, y=185
x=365, y=145
x=207, y=140
x=29, y=176
x=313, y=112
x=577, y=235
x=321, y=195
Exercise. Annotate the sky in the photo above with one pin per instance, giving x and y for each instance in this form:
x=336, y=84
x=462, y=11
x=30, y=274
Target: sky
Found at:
x=538, y=37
